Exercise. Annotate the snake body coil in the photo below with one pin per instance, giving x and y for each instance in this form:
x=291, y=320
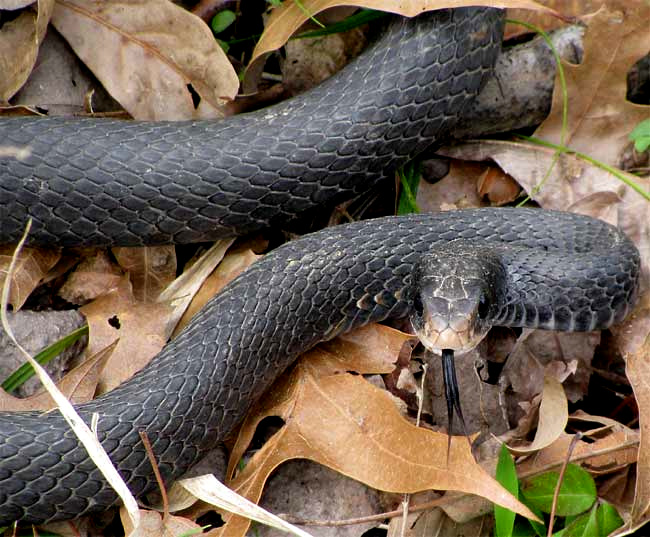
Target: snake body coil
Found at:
x=100, y=183
x=309, y=290
x=133, y=183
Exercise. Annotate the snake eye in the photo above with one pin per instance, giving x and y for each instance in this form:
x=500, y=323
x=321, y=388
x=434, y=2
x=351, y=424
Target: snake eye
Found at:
x=483, y=307
x=418, y=306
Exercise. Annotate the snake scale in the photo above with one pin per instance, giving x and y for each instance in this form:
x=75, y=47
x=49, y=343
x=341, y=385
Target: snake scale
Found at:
x=106, y=182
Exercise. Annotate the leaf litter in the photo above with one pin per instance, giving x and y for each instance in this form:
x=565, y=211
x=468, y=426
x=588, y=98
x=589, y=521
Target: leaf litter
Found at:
x=381, y=447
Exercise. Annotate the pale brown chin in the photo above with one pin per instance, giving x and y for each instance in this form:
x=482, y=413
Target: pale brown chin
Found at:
x=459, y=342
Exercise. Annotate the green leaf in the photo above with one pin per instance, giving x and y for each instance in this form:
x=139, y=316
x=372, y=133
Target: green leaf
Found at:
x=26, y=371
x=353, y=21
x=409, y=176
x=577, y=493
x=222, y=20
x=641, y=136
x=506, y=474
x=538, y=527
x=586, y=525
x=608, y=518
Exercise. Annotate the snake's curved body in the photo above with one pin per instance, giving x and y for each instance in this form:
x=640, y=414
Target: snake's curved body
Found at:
x=106, y=183
x=99, y=182
x=564, y=271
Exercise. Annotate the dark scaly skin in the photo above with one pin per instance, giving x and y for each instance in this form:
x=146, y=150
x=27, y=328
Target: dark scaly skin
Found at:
x=309, y=290
x=99, y=182
x=273, y=166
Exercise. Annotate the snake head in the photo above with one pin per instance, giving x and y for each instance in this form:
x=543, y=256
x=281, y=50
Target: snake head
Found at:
x=458, y=292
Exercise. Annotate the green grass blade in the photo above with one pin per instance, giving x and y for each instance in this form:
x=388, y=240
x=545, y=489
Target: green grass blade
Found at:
x=26, y=371
x=409, y=176
x=506, y=474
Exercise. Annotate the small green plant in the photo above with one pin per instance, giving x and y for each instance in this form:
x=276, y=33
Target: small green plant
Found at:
x=220, y=22
x=26, y=371
x=409, y=176
x=641, y=136
x=578, y=512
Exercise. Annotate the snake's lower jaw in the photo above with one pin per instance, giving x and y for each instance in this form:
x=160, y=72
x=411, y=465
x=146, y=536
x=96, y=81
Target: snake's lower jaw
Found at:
x=462, y=337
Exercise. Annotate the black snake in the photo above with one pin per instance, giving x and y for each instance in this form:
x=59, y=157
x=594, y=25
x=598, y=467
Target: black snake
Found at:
x=105, y=182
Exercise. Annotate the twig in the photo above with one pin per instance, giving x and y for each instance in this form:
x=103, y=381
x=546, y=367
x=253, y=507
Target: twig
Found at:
x=556, y=492
x=154, y=464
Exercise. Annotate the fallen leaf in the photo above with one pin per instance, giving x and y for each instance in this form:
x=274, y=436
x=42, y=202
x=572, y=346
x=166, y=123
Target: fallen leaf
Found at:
x=151, y=55
x=31, y=267
x=93, y=277
x=153, y=524
x=345, y=423
x=309, y=62
x=140, y=328
x=610, y=452
x=20, y=40
x=538, y=353
x=78, y=386
x=600, y=117
x=206, y=284
x=553, y=416
x=287, y=18
x=638, y=371
x=498, y=187
x=151, y=269
x=330, y=358
x=437, y=522
x=368, y=350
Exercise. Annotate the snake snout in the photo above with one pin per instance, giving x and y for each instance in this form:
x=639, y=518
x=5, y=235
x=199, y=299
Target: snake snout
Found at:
x=450, y=322
x=457, y=294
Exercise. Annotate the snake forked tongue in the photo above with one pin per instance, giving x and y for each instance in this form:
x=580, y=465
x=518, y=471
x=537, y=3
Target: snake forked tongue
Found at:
x=452, y=395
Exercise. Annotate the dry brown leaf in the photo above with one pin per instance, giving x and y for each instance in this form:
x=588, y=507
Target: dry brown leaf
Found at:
x=154, y=524
x=565, y=355
x=373, y=349
x=573, y=184
x=147, y=54
x=599, y=115
x=619, y=448
x=553, y=416
x=232, y=265
x=31, y=267
x=347, y=424
x=151, y=269
x=498, y=187
x=309, y=62
x=340, y=420
x=638, y=371
x=453, y=191
x=622, y=440
x=287, y=18
x=547, y=21
x=78, y=386
x=437, y=522
x=95, y=276
x=139, y=327
x=368, y=350
x=20, y=40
